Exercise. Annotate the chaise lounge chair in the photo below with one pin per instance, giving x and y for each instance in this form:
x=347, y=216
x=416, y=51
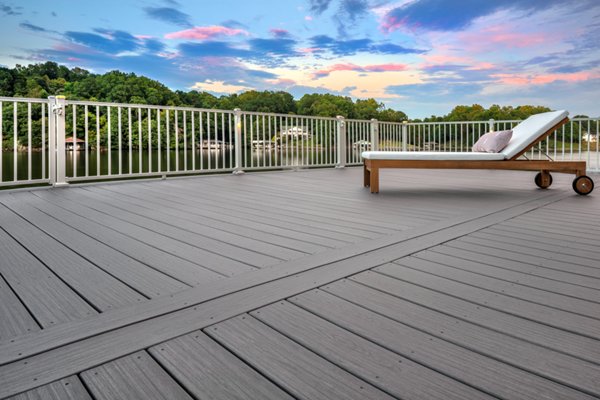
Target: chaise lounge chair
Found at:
x=525, y=135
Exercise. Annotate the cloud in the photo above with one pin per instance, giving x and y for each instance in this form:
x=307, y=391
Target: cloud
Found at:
x=205, y=32
x=7, y=10
x=353, y=46
x=105, y=40
x=231, y=23
x=319, y=6
x=219, y=87
x=442, y=15
x=213, y=49
x=34, y=28
x=280, y=47
x=279, y=33
x=357, y=68
x=169, y=15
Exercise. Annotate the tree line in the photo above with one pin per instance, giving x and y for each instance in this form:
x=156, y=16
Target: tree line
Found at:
x=46, y=79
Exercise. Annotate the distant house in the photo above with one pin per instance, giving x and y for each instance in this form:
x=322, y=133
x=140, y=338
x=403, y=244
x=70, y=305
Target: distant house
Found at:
x=77, y=144
x=590, y=137
x=294, y=132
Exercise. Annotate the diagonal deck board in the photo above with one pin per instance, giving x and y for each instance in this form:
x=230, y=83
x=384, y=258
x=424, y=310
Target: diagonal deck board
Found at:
x=466, y=366
x=135, y=274
x=300, y=371
x=99, y=288
x=498, y=345
x=48, y=298
x=69, y=388
x=136, y=376
x=382, y=368
x=523, y=328
x=16, y=319
x=209, y=371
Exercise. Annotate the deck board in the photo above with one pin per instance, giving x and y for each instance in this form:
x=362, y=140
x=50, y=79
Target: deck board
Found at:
x=382, y=368
x=209, y=371
x=466, y=366
x=444, y=285
x=135, y=274
x=136, y=376
x=48, y=298
x=98, y=287
x=301, y=372
x=16, y=319
x=69, y=388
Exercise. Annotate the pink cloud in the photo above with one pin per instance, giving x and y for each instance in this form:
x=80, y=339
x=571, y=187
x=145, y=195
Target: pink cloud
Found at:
x=541, y=79
x=279, y=33
x=353, y=67
x=308, y=50
x=143, y=37
x=281, y=82
x=205, y=32
x=308, y=18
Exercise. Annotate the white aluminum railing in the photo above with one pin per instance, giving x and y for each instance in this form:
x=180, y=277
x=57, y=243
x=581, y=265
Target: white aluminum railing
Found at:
x=57, y=141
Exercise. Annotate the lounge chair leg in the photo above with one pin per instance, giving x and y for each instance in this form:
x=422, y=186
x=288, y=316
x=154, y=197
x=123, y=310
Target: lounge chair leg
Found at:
x=374, y=181
x=366, y=176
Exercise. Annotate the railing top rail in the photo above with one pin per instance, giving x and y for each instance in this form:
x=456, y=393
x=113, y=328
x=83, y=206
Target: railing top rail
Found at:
x=23, y=99
x=143, y=106
x=287, y=115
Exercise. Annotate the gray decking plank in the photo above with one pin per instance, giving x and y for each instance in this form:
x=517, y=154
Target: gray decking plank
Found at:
x=549, y=225
x=570, y=343
x=16, y=319
x=514, y=290
x=578, y=236
x=185, y=223
x=306, y=199
x=95, y=285
x=273, y=234
x=380, y=367
x=135, y=274
x=136, y=376
x=536, y=250
x=49, y=299
x=338, y=228
x=69, y=388
x=524, y=258
x=536, y=312
x=316, y=191
x=474, y=369
x=214, y=262
x=522, y=276
x=243, y=214
x=175, y=267
x=301, y=372
x=208, y=371
x=515, y=265
x=201, y=241
x=547, y=238
x=334, y=264
x=564, y=369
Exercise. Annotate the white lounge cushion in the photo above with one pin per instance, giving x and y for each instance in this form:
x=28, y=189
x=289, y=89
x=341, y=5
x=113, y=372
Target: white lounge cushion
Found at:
x=529, y=130
x=431, y=155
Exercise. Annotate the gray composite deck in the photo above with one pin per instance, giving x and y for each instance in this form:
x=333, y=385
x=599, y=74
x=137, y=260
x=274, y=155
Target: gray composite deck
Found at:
x=446, y=285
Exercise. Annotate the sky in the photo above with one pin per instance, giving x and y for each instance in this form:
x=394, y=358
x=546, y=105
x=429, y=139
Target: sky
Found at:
x=420, y=56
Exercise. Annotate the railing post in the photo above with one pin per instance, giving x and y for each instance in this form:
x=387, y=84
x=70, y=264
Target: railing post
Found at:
x=404, y=135
x=237, y=119
x=492, y=125
x=374, y=134
x=56, y=137
x=341, y=142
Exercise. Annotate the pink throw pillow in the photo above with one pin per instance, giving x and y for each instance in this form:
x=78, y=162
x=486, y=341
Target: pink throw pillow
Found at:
x=493, y=142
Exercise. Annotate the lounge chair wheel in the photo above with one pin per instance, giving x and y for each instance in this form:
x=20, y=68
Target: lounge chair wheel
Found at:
x=538, y=181
x=583, y=185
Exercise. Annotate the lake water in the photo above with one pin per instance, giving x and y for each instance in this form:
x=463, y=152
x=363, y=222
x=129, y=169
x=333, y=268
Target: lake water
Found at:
x=205, y=159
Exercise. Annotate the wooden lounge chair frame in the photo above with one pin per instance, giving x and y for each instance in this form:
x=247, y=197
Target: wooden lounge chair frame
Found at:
x=582, y=183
